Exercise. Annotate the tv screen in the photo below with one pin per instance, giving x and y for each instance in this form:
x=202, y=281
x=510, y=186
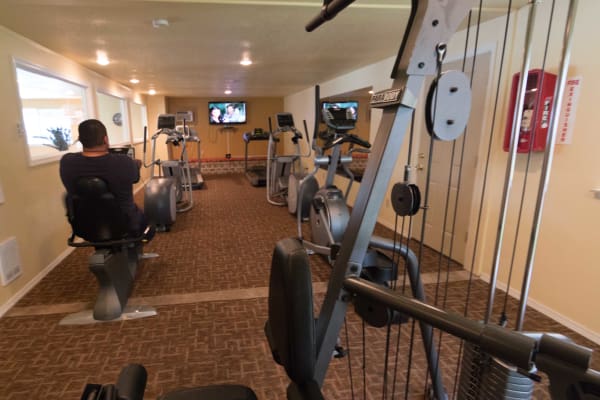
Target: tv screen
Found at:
x=226, y=113
x=342, y=110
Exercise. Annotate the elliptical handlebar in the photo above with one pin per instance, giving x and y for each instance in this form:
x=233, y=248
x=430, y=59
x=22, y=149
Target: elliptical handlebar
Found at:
x=145, y=149
x=348, y=138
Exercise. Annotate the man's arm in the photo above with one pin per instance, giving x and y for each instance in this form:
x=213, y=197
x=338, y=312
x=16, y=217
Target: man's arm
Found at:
x=138, y=166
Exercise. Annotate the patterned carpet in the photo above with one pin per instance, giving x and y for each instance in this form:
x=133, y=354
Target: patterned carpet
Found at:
x=209, y=288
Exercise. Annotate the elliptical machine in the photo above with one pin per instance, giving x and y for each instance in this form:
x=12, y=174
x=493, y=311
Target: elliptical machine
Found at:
x=329, y=213
x=170, y=192
x=284, y=172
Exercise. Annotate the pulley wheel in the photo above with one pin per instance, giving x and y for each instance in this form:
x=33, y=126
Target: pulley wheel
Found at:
x=448, y=106
x=406, y=199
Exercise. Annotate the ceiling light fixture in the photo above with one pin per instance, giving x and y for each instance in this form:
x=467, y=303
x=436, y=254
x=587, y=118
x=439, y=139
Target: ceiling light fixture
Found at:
x=102, y=58
x=151, y=92
x=371, y=92
x=245, y=62
x=134, y=81
x=160, y=23
x=228, y=91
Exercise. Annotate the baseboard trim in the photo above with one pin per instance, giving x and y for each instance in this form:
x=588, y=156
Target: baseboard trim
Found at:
x=536, y=305
x=36, y=279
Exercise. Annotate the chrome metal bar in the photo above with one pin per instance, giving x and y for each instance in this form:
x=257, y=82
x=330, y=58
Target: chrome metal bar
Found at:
x=548, y=158
x=510, y=167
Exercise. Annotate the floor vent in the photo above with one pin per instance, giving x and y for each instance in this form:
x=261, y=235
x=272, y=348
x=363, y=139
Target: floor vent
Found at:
x=10, y=263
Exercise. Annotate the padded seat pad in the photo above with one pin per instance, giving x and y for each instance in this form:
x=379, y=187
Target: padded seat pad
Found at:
x=291, y=320
x=213, y=392
x=94, y=213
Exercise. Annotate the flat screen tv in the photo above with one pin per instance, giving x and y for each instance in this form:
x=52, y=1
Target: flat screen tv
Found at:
x=226, y=112
x=342, y=109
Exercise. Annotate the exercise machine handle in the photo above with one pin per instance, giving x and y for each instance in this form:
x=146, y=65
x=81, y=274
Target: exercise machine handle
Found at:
x=348, y=137
x=358, y=141
x=328, y=11
x=145, y=137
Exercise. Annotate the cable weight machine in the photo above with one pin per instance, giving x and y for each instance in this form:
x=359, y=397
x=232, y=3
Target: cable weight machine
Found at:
x=422, y=52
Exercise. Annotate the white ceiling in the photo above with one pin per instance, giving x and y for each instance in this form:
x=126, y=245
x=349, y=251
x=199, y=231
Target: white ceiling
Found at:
x=198, y=54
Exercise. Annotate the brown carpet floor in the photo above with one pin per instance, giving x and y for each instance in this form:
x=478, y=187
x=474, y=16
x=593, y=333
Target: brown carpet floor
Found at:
x=223, y=245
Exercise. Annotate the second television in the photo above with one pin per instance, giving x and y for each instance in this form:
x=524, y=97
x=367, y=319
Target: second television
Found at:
x=348, y=108
x=226, y=112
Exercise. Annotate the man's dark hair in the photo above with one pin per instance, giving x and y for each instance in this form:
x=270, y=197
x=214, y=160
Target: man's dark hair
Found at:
x=91, y=133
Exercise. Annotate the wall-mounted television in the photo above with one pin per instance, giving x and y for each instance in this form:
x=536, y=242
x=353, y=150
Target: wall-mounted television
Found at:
x=226, y=112
x=339, y=109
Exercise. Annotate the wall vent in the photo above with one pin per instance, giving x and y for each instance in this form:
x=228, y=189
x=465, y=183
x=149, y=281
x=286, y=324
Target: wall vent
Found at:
x=10, y=262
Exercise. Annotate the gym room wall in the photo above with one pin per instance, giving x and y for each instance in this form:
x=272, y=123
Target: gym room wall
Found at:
x=215, y=139
x=566, y=272
x=32, y=210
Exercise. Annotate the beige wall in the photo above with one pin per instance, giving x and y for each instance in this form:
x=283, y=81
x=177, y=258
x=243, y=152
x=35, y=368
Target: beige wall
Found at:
x=156, y=105
x=214, y=139
x=566, y=272
x=33, y=211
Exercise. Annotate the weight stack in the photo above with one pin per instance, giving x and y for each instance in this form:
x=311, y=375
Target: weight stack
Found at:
x=483, y=377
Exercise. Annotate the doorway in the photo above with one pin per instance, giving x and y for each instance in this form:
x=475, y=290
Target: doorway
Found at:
x=441, y=228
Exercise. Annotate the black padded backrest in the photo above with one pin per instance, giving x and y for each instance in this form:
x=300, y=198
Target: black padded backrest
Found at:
x=94, y=212
x=291, y=320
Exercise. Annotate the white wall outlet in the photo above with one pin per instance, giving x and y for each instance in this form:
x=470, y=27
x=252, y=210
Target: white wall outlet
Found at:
x=10, y=262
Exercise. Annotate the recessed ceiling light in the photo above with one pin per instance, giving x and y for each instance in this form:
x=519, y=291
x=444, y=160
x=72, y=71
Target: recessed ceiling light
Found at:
x=228, y=91
x=102, y=58
x=134, y=80
x=245, y=62
x=151, y=92
x=160, y=23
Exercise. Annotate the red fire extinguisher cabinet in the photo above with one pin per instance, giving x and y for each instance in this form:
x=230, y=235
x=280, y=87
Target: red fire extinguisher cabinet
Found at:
x=539, y=97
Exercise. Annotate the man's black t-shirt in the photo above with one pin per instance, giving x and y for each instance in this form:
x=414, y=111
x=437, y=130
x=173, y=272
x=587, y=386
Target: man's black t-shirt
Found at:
x=118, y=170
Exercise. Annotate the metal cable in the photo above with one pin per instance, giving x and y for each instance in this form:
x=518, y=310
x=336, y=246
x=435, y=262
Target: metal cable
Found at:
x=484, y=186
x=348, y=355
x=364, y=366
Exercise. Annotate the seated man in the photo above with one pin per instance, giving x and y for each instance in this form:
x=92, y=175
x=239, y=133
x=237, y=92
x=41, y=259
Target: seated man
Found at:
x=118, y=170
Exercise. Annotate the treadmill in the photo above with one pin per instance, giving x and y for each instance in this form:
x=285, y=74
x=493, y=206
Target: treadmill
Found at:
x=257, y=174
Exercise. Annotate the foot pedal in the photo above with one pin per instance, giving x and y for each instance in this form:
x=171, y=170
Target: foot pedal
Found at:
x=146, y=256
x=339, y=352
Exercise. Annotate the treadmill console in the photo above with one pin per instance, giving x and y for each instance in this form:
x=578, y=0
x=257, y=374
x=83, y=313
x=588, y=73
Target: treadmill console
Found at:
x=285, y=121
x=166, y=121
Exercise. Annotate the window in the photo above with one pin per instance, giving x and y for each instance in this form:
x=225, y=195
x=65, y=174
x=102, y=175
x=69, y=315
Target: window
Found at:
x=139, y=120
x=51, y=109
x=112, y=112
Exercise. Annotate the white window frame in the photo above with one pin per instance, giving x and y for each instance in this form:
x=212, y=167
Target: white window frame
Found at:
x=138, y=137
x=124, y=109
x=52, y=155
